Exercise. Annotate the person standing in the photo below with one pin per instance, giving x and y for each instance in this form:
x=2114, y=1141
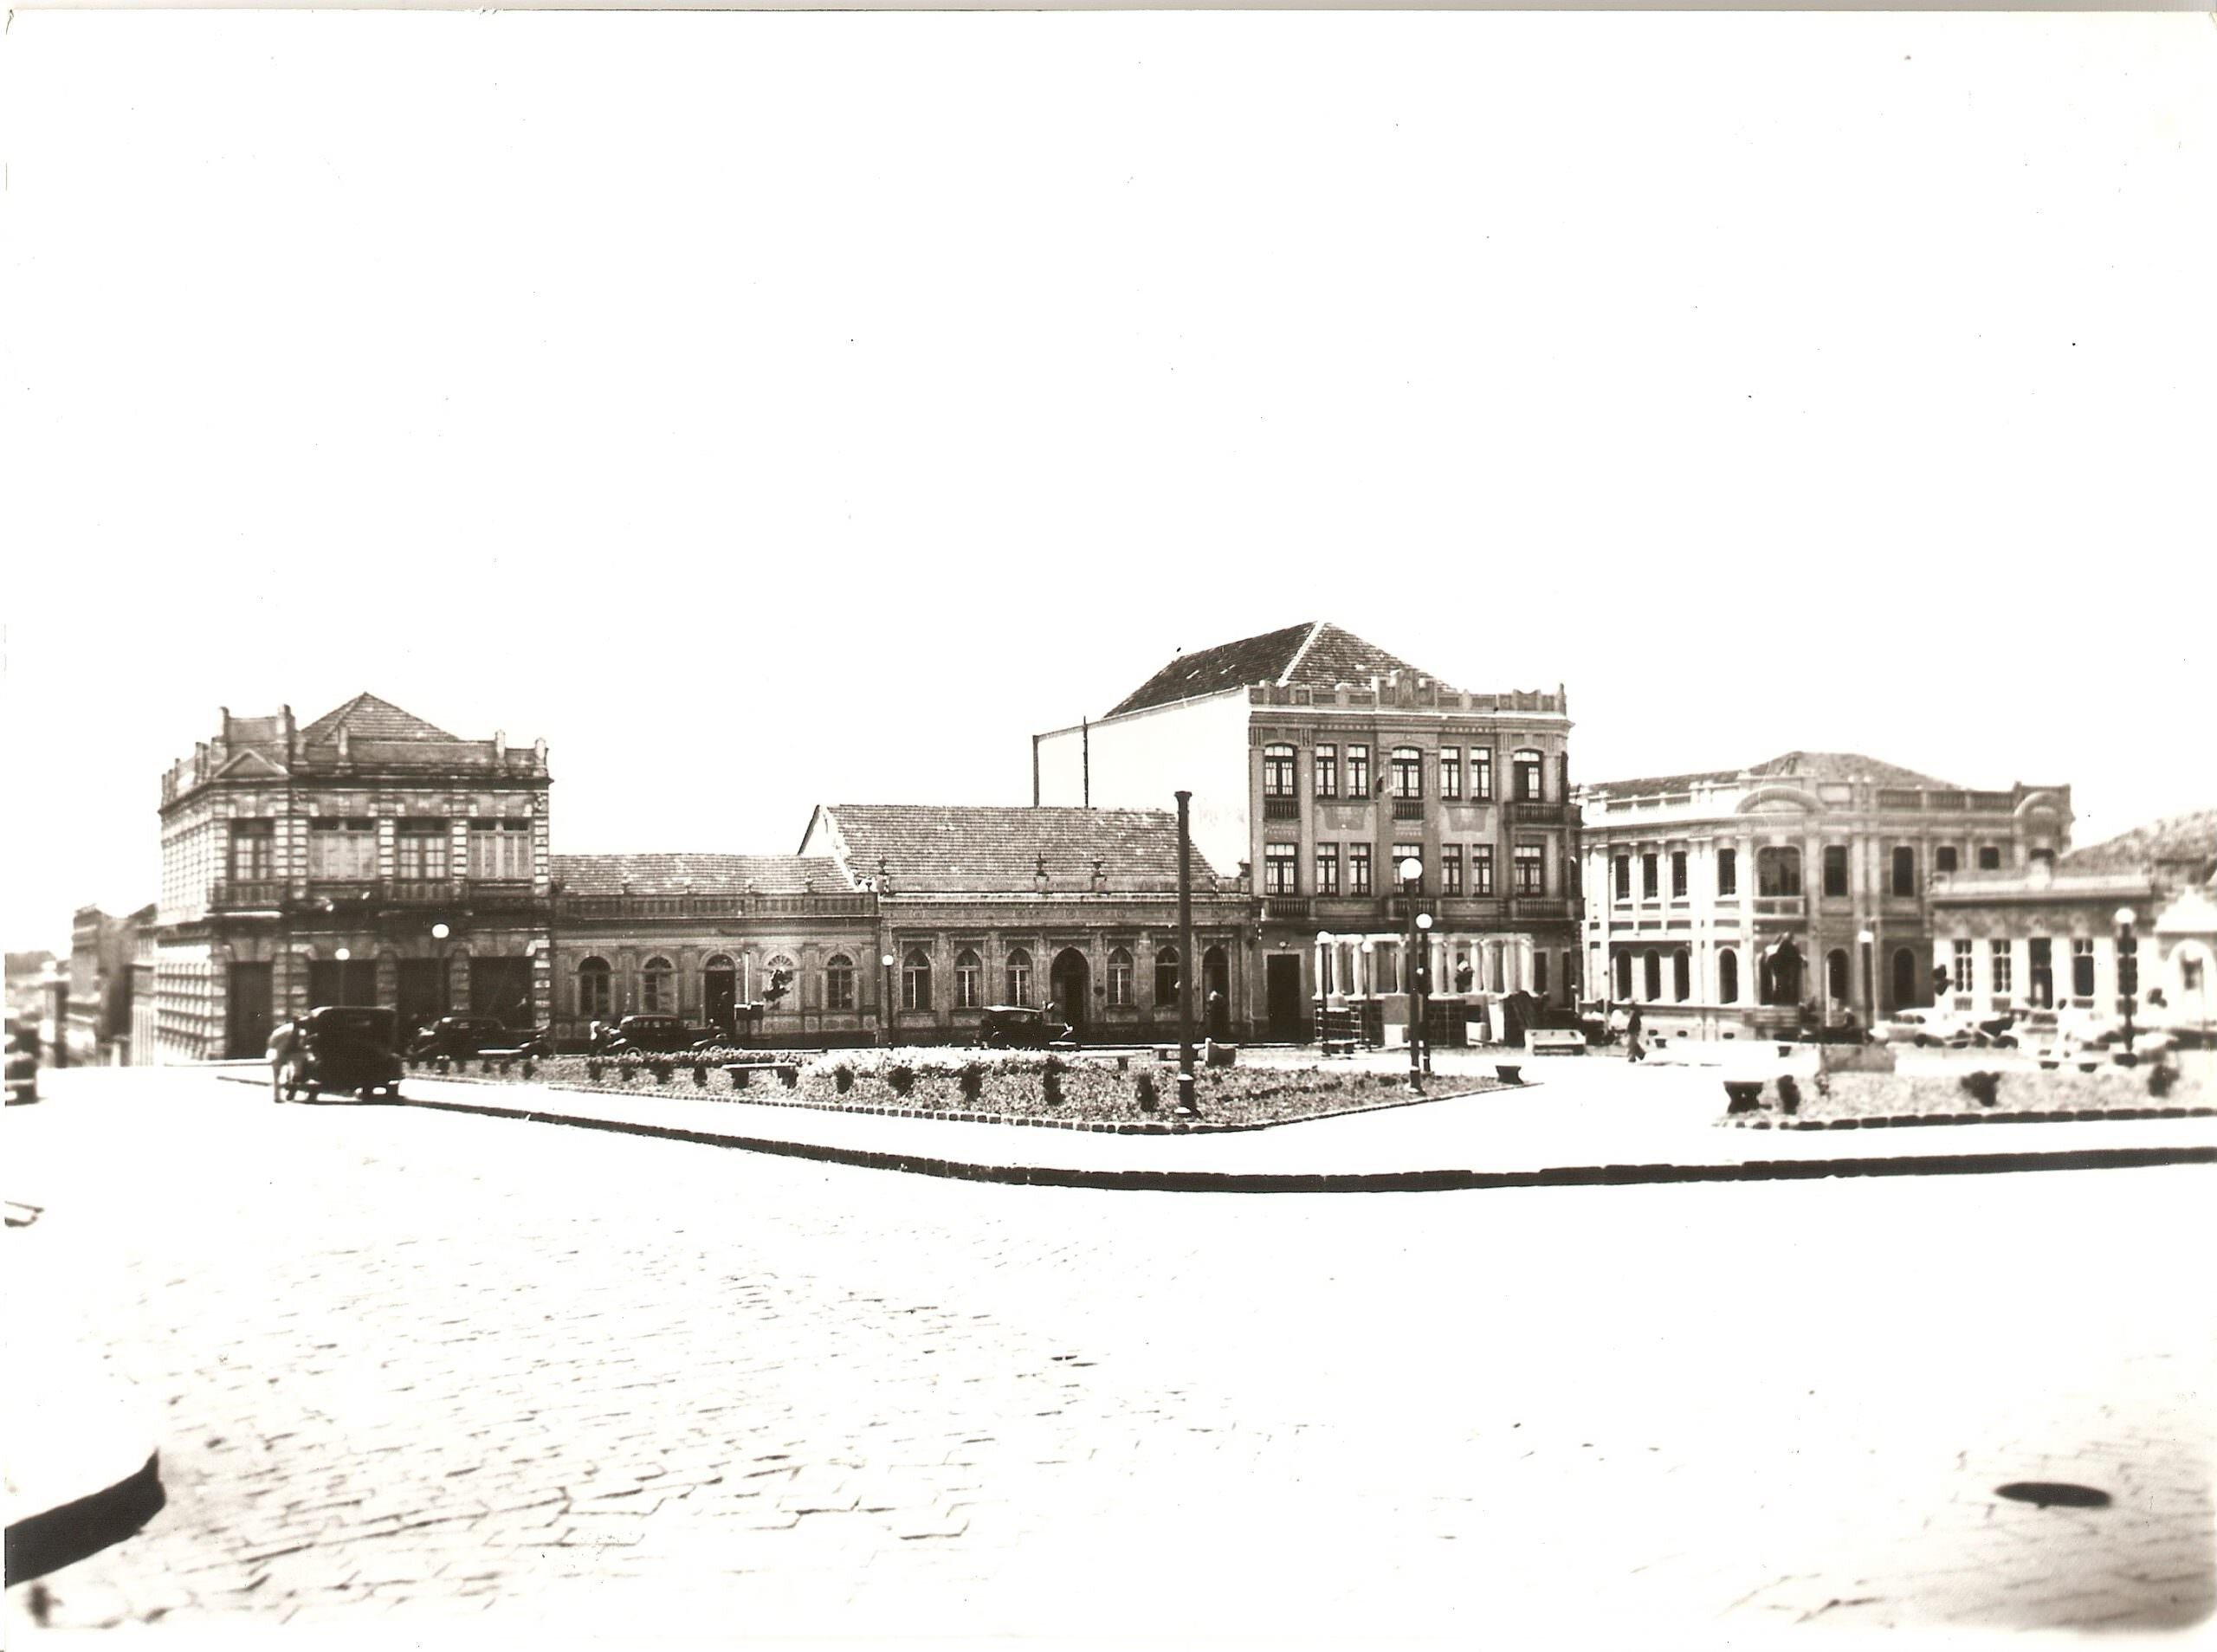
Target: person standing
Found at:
x=1634, y=1050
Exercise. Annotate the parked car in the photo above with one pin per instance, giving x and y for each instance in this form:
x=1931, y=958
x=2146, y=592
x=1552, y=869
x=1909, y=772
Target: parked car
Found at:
x=348, y=1049
x=458, y=1035
x=1924, y=1027
x=1011, y=1026
x=653, y=1035
x=23, y=1063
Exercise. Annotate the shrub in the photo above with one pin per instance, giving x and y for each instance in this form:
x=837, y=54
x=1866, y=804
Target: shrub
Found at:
x=1982, y=1086
x=1144, y=1086
x=700, y=1074
x=1789, y=1093
x=901, y=1077
x=661, y=1070
x=843, y=1078
x=592, y=1072
x=1051, y=1084
x=971, y=1077
x=2161, y=1076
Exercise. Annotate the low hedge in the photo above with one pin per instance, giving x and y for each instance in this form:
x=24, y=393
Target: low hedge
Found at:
x=1846, y=1099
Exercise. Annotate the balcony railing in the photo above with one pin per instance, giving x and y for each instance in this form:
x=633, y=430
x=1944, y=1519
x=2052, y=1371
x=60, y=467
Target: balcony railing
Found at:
x=844, y=904
x=246, y=894
x=1781, y=906
x=1281, y=808
x=1281, y=908
x=1408, y=809
x=1526, y=811
x=1528, y=909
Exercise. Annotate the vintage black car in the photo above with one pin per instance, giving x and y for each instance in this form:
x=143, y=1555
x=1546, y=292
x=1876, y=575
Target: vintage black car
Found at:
x=344, y=1048
x=458, y=1035
x=652, y=1036
x=1010, y=1026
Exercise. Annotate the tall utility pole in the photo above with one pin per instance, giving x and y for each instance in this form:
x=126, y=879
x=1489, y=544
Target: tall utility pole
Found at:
x=1186, y=957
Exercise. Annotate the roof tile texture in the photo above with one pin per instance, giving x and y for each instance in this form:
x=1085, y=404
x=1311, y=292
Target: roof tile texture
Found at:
x=933, y=848
x=658, y=874
x=1313, y=653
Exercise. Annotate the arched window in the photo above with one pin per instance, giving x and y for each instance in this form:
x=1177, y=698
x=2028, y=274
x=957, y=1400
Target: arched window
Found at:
x=1905, y=984
x=1020, y=976
x=1165, y=977
x=1727, y=976
x=658, y=988
x=1277, y=772
x=594, y=995
x=1682, y=976
x=1408, y=772
x=969, y=981
x=1526, y=772
x=1904, y=870
x=916, y=980
x=777, y=977
x=1624, y=976
x=1653, y=971
x=1120, y=978
x=838, y=982
x=1778, y=871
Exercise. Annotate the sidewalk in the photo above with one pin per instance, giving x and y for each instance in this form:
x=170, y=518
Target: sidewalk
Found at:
x=1580, y=1122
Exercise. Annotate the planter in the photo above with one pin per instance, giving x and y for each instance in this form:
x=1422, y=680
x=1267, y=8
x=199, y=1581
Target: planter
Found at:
x=1508, y=1073
x=1746, y=1095
x=740, y=1076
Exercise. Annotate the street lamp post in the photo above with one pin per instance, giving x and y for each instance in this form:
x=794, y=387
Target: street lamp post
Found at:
x=1186, y=1101
x=1412, y=871
x=885, y=961
x=2127, y=978
x=1870, y=993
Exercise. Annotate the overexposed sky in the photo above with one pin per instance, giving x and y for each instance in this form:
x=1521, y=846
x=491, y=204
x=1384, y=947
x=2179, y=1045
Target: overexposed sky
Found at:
x=774, y=408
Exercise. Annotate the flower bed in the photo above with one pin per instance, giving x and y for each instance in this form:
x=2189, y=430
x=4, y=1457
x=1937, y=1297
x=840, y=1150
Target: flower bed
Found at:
x=1081, y=1092
x=1848, y=1100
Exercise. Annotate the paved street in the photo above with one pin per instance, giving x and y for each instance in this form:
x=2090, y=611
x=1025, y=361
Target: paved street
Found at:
x=423, y=1371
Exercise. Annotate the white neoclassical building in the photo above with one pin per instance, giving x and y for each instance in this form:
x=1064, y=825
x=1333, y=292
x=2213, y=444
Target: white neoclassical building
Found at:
x=1751, y=899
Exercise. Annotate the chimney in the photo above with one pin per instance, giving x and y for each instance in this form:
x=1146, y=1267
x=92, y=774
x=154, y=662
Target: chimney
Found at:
x=345, y=754
x=501, y=746
x=1100, y=879
x=539, y=752
x=286, y=712
x=1039, y=876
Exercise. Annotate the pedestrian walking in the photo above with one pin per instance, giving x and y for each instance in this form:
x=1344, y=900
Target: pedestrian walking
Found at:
x=1636, y=1050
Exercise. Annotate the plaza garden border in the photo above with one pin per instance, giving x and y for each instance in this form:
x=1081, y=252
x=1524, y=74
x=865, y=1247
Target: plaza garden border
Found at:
x=1825, y=1102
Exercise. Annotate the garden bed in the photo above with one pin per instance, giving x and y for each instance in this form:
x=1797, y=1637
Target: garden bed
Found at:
x=1848, y=1100
x=1112, y=1093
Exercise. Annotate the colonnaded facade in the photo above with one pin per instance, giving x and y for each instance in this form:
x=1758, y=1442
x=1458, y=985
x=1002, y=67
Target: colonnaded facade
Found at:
x=1748, y=898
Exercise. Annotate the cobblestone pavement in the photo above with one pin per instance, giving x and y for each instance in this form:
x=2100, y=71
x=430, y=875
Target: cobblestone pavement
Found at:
x=427, y=1372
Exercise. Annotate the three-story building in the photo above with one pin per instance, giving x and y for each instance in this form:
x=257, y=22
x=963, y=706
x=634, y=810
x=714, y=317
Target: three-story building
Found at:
x=367, y=857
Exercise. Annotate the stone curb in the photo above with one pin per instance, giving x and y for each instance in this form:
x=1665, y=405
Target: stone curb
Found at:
x=1161, y=1181
x=1906, y=1120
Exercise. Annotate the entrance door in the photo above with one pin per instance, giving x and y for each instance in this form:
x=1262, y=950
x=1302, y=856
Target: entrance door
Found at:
x=1782, y=976
x=720, y=993
x=1069, y=981
x=502, y=986
x=250, y=1010
x=1216, y=994
x=1282, y=997
x=1906, y=995
x=423, y=991
x=332, y=980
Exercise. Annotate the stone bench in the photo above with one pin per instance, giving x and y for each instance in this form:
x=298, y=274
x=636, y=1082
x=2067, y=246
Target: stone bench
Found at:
x=1554, y=1041
x=742, y=1073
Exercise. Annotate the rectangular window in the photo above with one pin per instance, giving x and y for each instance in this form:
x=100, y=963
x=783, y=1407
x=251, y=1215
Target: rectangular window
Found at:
x=1623, y=865
x=342, y=851
x=1358, y=771
x=1281, y=869
x=1451, y=868
x=1451, y=773
x=2082, y=968
x=1408, y=772
x=499, y=850
x=1678, y=875
x=1962, y=966
x=1943, y=858
x=1904, y=870
x=969, y=981
x=1358, y=869
x=2040, y=966
x=1120, y=979
x=1481, y=774
x=1328, y=869
x=1405, y=852
x=1528, y=776
x=1482, y=869
x=1835, y=868
x=1327, y=770
x=419, y=849
x=1989, y=858
x=254, y=849
x=1648, y=885
x=1728, y=871
x=1532, y=869
x=1277, y=772
x=2000, y=959
x=1539, y=974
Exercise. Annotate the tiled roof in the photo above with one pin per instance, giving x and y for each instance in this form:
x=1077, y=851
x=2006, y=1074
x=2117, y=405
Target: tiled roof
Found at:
x=367, y=718
x=695, y=874
x=929, y=848
x=2179, y=837
x=1314, y=654
x=1793, y=765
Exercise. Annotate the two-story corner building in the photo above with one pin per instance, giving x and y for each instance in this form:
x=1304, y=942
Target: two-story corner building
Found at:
x=1068, y=908
x=367, y=857
x=2043, y=935
x=1732, y=898
x=776, y=948
x=1318, y=764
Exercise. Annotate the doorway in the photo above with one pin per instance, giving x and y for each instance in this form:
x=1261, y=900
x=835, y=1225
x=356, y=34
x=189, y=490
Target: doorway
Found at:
x=1906, y=995
x=502, y=986
x=1282, y=997
x=341, y=980
x=720, y=994
x=1782, y=976
x=250, y=1010
x=1069, y=982
x=423, y=991
x=1216, y=994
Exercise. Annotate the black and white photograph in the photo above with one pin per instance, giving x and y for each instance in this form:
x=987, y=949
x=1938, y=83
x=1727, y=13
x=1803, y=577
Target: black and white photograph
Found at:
x=1116, y=828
